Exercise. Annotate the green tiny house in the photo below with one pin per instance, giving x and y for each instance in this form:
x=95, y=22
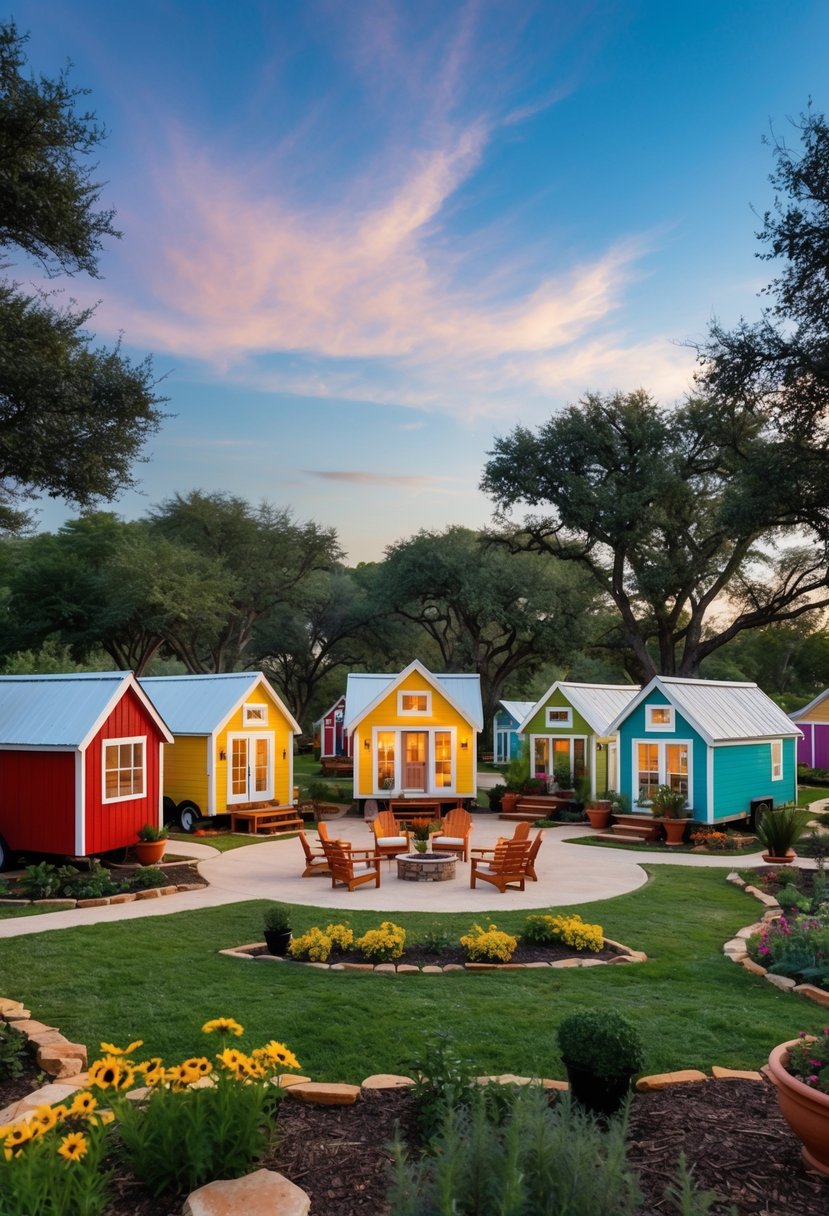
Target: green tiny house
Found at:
x=568, y=728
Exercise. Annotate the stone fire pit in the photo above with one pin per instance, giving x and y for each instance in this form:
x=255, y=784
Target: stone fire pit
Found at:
x=426, y=867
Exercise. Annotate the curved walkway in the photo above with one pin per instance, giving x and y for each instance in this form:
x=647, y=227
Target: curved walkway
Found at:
x=568, y=874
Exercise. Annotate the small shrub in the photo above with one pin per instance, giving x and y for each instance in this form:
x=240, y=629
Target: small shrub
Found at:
x=277, y=918
x=318, y=791
x=53, y=1165
x=797, y=947
x=608, y=1043
x=789, y=897
x=490, y=945
x=495, y=795
x=779, y=830
x=434, y=939
x=151, y=832
x=382, y=945
x=572, y=931
x=146, y=877
x=41, y=881
x=313, y=946
x=12, y=1052
x=441, y=1078
x=95, y=883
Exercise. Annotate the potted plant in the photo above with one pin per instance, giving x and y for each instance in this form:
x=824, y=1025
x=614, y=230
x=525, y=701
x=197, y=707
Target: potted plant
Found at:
x=152, y=842
x=667, y=805
x=421, y=831
x=779, y=831
x=602, y=1052
x=277, y=929
x=598, y=811
x=800, y=1072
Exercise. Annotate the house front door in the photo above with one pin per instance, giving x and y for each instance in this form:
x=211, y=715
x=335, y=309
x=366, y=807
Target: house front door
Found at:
x=249, y=768
x=415, y=751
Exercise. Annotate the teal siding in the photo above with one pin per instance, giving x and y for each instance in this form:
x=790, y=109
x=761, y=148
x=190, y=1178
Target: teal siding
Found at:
x=743, y=772
x=634, y=727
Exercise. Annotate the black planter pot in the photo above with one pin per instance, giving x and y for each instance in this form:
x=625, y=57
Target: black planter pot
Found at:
x=598, y=1094
x=278, y=943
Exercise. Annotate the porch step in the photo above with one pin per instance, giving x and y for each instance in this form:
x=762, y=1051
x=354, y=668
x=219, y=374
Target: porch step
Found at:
x=635, y=827
x=622, y=837
x=524, y=816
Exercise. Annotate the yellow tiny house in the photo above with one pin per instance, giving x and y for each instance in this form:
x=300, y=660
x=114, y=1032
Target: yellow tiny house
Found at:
x=233, y=743
x=414, y=734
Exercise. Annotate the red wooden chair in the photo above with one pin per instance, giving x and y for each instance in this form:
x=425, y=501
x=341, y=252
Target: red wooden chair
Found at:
x=352, y=867
x=506, y=869
x=315, y=860
x=454, y=836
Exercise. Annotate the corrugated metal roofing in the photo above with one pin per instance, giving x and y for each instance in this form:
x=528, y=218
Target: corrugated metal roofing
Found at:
x=363, y=689
x=517, y=709
x=196, y=705
x=55, y=711
x=599, y=704
x=723, y=711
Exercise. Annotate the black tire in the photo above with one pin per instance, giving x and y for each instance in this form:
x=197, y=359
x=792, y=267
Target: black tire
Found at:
x=188, y=815
x=7, y=857
x=169, y=807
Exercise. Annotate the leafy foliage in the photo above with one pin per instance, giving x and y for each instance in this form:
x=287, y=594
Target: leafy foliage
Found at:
x=12, y=1052
x=602, y=1040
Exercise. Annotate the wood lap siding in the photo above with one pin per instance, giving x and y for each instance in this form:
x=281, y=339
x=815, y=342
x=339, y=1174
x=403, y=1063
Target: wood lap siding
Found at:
x=37, y=803
x=112, y=825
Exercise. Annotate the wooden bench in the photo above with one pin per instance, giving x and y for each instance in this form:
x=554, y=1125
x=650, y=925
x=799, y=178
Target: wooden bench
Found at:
x=265, y=820
x=337, y=766
x=407, y=809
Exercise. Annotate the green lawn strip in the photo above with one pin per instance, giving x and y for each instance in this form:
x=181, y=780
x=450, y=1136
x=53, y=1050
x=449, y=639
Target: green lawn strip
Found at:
x=807, y=795
x=159, y=979
x=634, y=846
x=10, y=912
x=227, y=840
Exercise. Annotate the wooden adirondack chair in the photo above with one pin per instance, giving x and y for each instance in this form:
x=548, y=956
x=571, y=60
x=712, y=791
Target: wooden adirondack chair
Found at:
x=522, y=832
x=531, y=856
x=454, y=837
x=506, y=869
x=315, y=860
x=390, y=836
x=322, y=829
x=352, y=867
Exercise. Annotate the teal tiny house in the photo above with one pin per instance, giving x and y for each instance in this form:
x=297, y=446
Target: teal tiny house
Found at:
x=722, y=744
x=569, y=728
x=506, y=735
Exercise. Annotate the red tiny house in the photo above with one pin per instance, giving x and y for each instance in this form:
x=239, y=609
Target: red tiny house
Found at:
x=81, y=763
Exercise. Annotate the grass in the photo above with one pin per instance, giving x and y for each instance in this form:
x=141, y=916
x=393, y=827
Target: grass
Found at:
x=160, y=978
x=225, y=841
x=307, y=770
x=656, y=846
x=9, y=912
x=807, y=795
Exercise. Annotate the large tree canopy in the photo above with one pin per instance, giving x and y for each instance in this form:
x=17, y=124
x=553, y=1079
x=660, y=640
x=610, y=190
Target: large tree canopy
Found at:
x=686, y=519
x=73, y=418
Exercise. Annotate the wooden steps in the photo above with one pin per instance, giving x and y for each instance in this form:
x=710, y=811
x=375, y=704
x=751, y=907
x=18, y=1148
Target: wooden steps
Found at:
x=639, y=829
x=535, y=806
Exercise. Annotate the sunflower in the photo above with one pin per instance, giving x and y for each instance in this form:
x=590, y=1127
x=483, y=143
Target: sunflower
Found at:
x=83, y=1103
x=223, y=1026
x=44, y=1118
x=111, y=1073
x=199, y=1064
x=20, y=1133
x=73, y=1146
x=112, y=1050
x=279, y=1054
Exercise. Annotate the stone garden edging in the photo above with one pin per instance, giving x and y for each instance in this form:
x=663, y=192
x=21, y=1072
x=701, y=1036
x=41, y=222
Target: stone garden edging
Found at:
x=623, y=953
x=736, y=949
x=126, y=897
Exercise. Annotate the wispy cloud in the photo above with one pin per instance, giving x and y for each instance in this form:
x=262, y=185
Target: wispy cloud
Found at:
x=372, y=479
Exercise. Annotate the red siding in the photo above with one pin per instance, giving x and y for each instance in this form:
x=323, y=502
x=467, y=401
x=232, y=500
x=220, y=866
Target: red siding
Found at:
x=113, y=825
x=37, y=801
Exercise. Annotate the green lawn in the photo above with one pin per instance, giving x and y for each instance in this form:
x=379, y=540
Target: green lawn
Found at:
x=10, y=912
x=807, y=795
x=224, y=841
x=307, y=770
x=160, y=978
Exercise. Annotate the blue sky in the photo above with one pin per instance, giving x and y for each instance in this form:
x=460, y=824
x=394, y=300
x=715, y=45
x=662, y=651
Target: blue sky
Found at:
x=363, y=239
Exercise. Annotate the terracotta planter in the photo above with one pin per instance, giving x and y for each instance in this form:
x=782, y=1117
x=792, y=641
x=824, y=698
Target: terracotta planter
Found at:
x=675, y=830
x=509, y=802
x=599, y=815
x=149, y=852
x=806, y=1110
x=779, y=861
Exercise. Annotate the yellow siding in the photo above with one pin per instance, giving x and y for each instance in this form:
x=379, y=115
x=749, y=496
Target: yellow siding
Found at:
x=385, y=715
x=818, y=713
x=185, y=770
x=278, y=726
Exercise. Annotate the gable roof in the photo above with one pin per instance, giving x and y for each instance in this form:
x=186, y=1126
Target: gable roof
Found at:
x=598, y=704
x=721, y=711
x=65, y=710
x=801, y=713
x=199, y=705
x=330, y=709
x=364, y=691
x=517, y=709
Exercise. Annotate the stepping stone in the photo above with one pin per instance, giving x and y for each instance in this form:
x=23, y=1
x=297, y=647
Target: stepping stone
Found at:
x=318, y=1093
x=262, y=1193
x=385, y=1080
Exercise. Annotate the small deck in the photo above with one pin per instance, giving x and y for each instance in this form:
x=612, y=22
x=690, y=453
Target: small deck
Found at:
x=264, y=820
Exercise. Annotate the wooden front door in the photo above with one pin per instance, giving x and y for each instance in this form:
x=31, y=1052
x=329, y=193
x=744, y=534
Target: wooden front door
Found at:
x=249, y=768
x=415, y=753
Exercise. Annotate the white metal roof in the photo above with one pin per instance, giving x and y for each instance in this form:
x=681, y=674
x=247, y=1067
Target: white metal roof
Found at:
x=364, y=690
x=799, y=714
x=63, y=710
x=330, y=709
x=517, y=709
x=721, y=711
x=598, y=704
x=198, y=705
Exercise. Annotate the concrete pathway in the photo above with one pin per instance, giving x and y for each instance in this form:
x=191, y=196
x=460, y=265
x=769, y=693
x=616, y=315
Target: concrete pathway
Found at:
x=568, y=874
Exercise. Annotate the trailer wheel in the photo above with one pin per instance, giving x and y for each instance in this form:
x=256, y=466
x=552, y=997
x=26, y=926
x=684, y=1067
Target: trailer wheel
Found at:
x=169, y=809
x=7, y=857
x=188, y=815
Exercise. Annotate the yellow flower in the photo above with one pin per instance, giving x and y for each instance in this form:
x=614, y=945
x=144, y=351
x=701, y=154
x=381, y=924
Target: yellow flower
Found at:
x=199, y=1064
x=73, y=1146
x=83, y=1103
x=111, y=1073
x=279, y=1054
x=44, y=1118
x=112, y=1050
x=20, y=1133
x=224, y=1026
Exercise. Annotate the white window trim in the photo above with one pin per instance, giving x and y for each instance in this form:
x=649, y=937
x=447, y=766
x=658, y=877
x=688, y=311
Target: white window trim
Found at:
x=660, y=726
x=562, y=723
x=414, y=692
x=251, y=719
x=250, y=795
x=662, y=745
x=398, y=790
x=571, y=739
x=105, y=743
x=778, y=774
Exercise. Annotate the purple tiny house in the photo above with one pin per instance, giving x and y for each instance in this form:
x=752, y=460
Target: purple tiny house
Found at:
x=813, y=720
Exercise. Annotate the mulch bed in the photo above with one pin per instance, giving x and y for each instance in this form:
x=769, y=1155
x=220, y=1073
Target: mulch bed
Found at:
x=418, y=957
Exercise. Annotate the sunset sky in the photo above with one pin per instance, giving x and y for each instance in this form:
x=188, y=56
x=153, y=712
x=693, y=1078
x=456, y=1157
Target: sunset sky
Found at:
x=363, y=239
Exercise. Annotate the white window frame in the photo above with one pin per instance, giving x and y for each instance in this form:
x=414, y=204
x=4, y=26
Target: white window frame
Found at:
x=131, y=739
x=776, y=765
x=254, y=714
x=549, y=762
x=565, y=722
x=660, y=726
x=662, y=764
x=414, y=713
x=398, y=790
